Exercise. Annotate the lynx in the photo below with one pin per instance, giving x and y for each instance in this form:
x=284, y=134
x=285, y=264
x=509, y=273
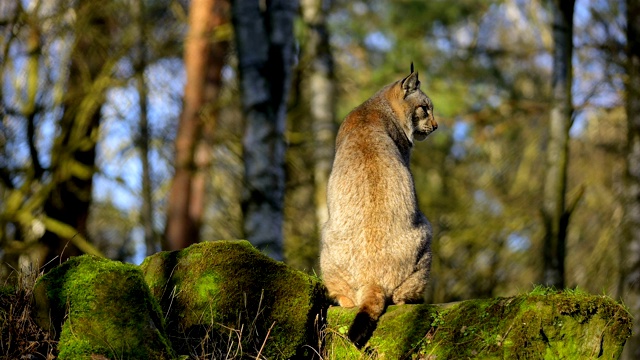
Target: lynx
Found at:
x=375, y=248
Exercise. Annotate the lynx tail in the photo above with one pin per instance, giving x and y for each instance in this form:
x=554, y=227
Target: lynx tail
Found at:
x=373, y=305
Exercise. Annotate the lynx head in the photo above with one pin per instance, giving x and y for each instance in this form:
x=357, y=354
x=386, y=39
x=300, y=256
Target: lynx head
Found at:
x=414, y=107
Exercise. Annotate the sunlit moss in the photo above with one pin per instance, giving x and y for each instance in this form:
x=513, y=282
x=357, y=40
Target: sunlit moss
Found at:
x=546, y=323
x=222, y=288
x=99, y=306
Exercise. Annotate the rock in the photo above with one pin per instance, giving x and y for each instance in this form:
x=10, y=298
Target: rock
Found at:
x=101, y=309
x=225, y=297
x=543, y=324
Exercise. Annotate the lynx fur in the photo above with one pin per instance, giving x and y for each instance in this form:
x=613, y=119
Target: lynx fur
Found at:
x=375, y=248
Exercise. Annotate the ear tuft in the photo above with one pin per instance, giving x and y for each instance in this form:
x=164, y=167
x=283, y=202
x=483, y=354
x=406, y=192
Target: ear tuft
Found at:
x=410, y=83
x=411, y=68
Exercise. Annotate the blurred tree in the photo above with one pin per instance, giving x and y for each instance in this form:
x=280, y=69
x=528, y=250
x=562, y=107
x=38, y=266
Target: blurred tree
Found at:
x=300, y=230
x=111, y=230
x=556, y=211
x=71, y=55
x=310, y=136
x=73, y=49
x=265, y=46
x=205, y=50
x=597, y=149
x=631, y=248
x=72, y=167
x=20, y=30
x=322, y=102
x=63, y=189
x=144, y=136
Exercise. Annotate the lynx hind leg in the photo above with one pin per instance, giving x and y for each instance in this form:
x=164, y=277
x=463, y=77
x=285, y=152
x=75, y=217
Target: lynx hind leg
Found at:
x=340, y=291
x=412, y=289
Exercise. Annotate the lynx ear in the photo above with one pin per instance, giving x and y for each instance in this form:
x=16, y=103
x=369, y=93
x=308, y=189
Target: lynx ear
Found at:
x=410, y=83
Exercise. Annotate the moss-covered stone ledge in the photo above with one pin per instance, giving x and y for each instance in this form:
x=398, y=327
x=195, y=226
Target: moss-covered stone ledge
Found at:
x=101, y=309
x=545, y=324
x=225, y=299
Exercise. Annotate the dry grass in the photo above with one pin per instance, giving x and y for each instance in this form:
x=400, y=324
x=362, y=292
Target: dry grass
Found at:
x=242, y=341
x=21, y=337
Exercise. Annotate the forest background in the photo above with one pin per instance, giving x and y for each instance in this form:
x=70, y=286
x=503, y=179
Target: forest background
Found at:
x=134, y=126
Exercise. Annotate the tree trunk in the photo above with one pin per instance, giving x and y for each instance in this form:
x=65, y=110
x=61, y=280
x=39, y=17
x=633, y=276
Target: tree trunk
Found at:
x=322, y=100
x=144, y=136
x=203, y=58
x=265, y=44
x=631, y=247
x=555, y=212
x=73, y=156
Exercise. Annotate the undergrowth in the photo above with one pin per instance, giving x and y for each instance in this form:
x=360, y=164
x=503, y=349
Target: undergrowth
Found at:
x=242, y=340
x=21, y=337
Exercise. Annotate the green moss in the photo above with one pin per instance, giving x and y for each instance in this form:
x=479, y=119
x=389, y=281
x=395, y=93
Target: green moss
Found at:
x=546, y=323
x=214, y=289
x=102, y=307
x=7, y=290
x=208, y=288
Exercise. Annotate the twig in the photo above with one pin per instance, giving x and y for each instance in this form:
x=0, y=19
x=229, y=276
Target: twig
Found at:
x=265, y=341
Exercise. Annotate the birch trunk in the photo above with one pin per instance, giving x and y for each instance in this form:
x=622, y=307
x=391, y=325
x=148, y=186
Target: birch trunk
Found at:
x=265, y=45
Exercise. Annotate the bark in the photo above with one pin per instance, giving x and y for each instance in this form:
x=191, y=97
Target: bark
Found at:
x=74, y=149
x=146, y=212
x=265, y=45
x=322, y=100
x=203, y=58
x=144, y=137
x=631, y=247
x=555, y=210
x=34, y=49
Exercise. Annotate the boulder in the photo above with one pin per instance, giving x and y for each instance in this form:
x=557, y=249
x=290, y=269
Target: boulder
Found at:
x=101, y=309
x=545, y=324
x=226, y=299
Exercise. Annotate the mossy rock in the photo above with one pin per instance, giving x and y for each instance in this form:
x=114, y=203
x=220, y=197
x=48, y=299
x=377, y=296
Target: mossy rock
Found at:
x=544, y=324
x=101, y=309
x=226, y=297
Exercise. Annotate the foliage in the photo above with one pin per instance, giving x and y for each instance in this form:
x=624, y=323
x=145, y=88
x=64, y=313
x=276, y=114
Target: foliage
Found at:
x=39, y=46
